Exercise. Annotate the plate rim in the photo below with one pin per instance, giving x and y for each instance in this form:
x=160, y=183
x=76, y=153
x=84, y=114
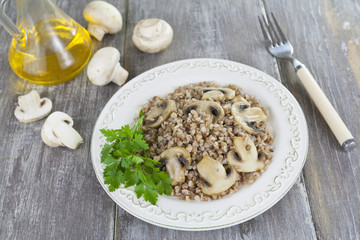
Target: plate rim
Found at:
x=218, y=226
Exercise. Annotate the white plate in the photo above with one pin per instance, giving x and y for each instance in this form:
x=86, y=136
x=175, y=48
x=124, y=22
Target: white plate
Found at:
x=290, y=145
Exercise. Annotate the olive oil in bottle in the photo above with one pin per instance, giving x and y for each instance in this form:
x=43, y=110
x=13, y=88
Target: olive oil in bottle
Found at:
x=48, y=47
x=53, y=52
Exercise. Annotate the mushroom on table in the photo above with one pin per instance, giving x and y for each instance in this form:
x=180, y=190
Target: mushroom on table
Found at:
x=57, y=131
x=103, y=18
x=152, y=35
x=32, y=108
x=104, y=67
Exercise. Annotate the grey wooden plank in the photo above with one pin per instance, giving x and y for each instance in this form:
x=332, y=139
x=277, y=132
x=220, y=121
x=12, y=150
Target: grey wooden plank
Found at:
x=218, y=29
x=50, y=193
x=325, y=35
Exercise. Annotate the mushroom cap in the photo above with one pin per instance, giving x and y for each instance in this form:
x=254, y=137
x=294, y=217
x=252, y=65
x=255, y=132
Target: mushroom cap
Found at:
x=216, y=177
x=246, y=116
x=158, y=115
x=102, y=65
x=245, y=157
x=216, y=93
x=57, y=131
x=212, y=108
x=152, y=35
x=177, y=159
x=32, y=108
x=103, y=14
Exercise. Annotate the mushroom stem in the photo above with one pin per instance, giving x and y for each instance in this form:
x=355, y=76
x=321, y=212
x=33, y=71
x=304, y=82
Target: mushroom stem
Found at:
x=69, y=137
x=97, y=31
x=57, y=131
x=119, y=75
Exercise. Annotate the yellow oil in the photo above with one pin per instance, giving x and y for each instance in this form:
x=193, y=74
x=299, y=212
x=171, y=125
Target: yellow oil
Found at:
x=52, y=52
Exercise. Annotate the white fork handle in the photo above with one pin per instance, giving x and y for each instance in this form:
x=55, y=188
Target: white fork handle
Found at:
x=332, y=118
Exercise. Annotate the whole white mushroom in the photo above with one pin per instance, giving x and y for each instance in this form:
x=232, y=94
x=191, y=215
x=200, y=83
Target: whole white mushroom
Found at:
x=104, y=67
x=103, y=18
x=152, y=35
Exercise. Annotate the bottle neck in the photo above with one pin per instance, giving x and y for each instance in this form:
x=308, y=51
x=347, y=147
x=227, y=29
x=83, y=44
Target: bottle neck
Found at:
x=30, y=12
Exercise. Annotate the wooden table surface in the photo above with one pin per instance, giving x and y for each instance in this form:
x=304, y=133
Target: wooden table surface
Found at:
x=53, y=193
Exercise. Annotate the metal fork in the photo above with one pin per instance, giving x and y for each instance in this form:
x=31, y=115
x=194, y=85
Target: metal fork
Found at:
x=279, y=46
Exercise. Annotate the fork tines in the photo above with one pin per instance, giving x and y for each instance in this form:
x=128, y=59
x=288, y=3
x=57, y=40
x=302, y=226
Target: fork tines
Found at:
x=272, y=35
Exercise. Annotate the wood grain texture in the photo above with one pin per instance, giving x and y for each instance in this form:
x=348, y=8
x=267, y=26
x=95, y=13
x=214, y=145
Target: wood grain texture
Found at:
x=215, y=29
x=48, y=193
x=324, y=35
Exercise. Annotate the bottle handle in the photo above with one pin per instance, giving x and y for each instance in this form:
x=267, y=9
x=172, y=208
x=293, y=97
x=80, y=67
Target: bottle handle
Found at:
x=8, y=24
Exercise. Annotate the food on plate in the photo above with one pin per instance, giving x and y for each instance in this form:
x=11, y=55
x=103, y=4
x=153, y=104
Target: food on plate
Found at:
x=224, y=132
x=210, y=108
x=159, y=114
x=216, y=93
x=126, y=162
x=103, y=18
x=32, y=108
x=152, y=35
x=246, y=116
x=245, y=157
x=104, y=67
x=58, y=130
x=176, y=160
x=215, y=177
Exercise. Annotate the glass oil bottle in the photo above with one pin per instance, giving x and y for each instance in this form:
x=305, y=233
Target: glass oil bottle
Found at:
x=48, y=47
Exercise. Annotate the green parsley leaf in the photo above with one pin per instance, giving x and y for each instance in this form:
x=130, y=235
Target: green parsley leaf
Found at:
x=150, y=195
x=127, y=163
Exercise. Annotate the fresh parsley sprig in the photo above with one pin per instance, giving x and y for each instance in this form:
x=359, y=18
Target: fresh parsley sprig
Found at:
x=126, y=162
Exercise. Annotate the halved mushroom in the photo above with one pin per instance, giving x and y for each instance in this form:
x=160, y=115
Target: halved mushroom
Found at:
x=212, y=108
x=247, y=116
x=158, y=115
x=245, y=157
x=32, y=108
x=57, y=131
x=217, y=93
x=176, y=159
x=215, y=176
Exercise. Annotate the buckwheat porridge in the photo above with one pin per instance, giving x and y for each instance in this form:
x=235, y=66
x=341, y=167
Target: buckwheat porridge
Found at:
x=210, y=139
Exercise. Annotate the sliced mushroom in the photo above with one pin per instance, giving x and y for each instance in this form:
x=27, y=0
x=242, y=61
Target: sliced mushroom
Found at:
x=32, y=108
x=216, y=178
x=176, y=159
x=57, y=131
x=212, y=108
x=245, y=157
x=247, y=116
x=158, y=115
x=217, y=93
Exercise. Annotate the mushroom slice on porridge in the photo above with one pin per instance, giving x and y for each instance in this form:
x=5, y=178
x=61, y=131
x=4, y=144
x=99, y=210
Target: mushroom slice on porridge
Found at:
x=211, y=108
x=247, y=116
x=176, y=160
x=158, y=115
x=216, y=93
x=216, y=178
x=245, y=157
